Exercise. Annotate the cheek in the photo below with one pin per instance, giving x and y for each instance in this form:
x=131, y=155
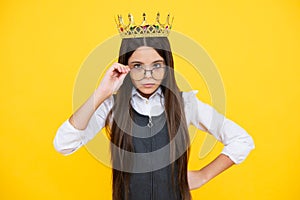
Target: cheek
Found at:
x=158, y=83
x=135, y=83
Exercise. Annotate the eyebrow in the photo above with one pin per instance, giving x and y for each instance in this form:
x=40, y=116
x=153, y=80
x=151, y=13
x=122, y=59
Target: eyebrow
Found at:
x=139, y=62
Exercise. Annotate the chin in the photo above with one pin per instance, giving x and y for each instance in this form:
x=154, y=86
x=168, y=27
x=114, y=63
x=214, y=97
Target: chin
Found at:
x=147, y=91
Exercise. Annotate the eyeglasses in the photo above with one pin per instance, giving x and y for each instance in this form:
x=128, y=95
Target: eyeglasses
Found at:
x=139, y=72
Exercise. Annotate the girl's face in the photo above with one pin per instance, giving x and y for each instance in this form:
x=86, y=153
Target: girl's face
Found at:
x=147, y=70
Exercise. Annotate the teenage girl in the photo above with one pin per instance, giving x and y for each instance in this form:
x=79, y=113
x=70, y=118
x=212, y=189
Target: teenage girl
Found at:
x=147, y=118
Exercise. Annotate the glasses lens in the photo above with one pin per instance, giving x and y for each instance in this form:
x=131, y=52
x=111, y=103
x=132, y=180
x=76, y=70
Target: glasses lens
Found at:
x=137, y=74
x=158, y=73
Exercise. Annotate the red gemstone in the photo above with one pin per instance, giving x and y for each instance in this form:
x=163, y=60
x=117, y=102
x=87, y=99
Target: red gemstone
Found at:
x=167, y=27
x=144, y=27
x=121, y=29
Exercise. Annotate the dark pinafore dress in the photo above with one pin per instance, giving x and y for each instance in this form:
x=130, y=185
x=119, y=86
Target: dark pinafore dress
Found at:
x=153, y=184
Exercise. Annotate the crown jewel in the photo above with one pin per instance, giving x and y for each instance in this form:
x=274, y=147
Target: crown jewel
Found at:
x=144, y=29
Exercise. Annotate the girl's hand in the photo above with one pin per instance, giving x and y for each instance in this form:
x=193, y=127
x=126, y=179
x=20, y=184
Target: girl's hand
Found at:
x=113, y=79
x=195, y=179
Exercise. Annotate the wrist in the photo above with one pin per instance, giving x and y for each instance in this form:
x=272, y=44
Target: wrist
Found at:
x=203, y=177
x=102, y=93
x=99, y=96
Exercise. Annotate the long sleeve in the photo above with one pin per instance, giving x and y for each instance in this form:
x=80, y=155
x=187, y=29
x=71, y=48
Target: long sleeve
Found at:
x=237, y=142
x=69, y=139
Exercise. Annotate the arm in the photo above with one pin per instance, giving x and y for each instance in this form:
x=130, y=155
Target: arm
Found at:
x=198, y=178
x=237, y=142
x=90, y=118
x=111, y=82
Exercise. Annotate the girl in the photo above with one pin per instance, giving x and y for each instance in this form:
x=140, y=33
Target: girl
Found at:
x=147, y=116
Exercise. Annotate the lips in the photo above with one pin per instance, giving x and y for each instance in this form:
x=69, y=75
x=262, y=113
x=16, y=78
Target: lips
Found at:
x=148, y=85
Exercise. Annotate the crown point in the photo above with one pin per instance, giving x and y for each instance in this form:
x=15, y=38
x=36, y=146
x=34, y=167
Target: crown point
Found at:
x=168, y=19
x=157, y=16
x=156, y=29
x=130, y=17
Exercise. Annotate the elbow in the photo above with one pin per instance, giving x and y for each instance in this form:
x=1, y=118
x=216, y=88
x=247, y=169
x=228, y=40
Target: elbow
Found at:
x=250, y=143
x=239, y=150
x=60, y=148
x=246, y=146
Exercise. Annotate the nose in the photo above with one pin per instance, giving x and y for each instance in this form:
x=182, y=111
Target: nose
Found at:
x=148, y=73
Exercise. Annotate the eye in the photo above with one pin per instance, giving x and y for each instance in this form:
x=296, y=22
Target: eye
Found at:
x=137, y=66
x=157, y=65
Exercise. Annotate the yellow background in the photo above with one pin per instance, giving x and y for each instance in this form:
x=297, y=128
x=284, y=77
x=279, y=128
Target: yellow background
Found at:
x=255, y=45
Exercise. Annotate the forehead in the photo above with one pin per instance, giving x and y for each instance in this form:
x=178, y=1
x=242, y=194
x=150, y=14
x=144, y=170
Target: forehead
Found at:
x=145, y=55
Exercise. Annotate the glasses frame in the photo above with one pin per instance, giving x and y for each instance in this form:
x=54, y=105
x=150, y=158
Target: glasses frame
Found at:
x=164, y=66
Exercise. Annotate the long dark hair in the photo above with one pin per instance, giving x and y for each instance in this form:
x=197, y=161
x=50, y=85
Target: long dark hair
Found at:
x=118, y=121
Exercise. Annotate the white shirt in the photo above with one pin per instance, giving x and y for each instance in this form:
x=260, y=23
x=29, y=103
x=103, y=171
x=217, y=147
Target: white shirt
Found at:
x=237, y=142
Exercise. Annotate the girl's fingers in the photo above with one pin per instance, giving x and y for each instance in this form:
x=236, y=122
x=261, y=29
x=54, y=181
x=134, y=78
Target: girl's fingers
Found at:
x=117, y=69
x=127, y=68
x=123, y=68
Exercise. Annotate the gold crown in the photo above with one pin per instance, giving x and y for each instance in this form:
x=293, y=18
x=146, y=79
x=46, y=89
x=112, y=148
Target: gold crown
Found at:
x=144, y=29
